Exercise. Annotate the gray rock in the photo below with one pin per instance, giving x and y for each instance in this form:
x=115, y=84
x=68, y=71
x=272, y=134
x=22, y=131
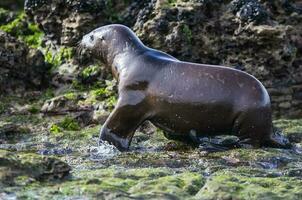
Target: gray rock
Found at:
x=20, y=66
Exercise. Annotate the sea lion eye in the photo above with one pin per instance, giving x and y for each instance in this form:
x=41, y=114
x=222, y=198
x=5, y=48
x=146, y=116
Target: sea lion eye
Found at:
x=91, y=37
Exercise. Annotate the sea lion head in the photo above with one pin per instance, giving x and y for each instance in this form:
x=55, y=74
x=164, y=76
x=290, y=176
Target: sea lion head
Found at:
x=106, y=42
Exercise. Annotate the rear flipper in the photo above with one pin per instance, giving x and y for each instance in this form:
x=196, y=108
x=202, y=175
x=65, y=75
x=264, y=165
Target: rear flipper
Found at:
x=277, y=140
x=205, y=143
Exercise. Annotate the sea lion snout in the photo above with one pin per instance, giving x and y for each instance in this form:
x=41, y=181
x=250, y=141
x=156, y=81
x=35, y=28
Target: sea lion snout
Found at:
x=88, y=41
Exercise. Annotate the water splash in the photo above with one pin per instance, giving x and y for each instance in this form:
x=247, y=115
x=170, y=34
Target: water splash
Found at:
x=8, y=196
x=297, y=148
x=103, y=152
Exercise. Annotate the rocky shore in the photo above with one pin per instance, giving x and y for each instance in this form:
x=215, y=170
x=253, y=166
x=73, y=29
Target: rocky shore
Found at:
x=53, y=101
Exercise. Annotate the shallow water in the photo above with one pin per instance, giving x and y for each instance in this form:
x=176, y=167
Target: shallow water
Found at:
x=154, y=168
x=103, y=151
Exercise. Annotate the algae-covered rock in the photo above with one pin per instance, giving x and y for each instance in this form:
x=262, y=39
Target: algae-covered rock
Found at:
x=64, y=103
x=292, y=129
x=6, y=16
x=11, y=131
x=230, y=185
x=14, y=165
x=178, y=186
x=21, y=67
x=67, y=21
x=114, y=183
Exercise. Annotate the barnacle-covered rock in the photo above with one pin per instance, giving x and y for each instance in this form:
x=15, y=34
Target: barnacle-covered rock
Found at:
x=21, y=67
x=262, y=38
x=66, y=21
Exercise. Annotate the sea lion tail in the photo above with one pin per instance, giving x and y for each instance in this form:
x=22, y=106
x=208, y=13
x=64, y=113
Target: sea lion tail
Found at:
x=277, y=140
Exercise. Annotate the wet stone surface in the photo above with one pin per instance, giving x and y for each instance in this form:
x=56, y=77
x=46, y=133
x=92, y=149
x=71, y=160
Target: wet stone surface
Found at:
x=154, y=168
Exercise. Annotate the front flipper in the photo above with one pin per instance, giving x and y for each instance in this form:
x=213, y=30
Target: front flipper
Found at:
x=120, y=126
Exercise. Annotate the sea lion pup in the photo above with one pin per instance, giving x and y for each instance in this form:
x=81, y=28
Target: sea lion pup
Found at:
x=185, y=100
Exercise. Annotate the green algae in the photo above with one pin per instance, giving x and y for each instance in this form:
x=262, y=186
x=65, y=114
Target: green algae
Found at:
x=4, y=15
x=246, y=154
x=67, y=124
x=29, y=33
x=187, y=33
x=13, y=164
x=71, y=95
x=291, y=128
x=181, y=185
x=104, y=94
x=14, y=26
x=55, y=129
x=169, y=3
x=231, y=185
x=73, y=135
x=58, y=57
x=134, y=182
x=101, y=93
x=34, y=39
x=90, y=71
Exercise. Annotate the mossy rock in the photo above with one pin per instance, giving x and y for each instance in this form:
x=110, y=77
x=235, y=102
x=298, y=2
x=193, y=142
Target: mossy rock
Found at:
x=6, y=16
x=14, y=164
x=291, y=128
x=178, y=185
x=120, y=183
x=25, y=31
x=12, y=131
x=231, y=185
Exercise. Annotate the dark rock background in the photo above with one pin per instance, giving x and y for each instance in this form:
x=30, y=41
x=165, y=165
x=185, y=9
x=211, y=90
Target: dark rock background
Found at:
x=21, y=67
x=38, y=48
x=263, y=38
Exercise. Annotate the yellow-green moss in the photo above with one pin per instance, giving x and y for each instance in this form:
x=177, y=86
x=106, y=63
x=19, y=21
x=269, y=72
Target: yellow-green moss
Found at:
x=58, y=131
x=182, y=185
x=63, y=55
x=55, y=129
x=169, y=3
x=230, y=185
x=29, y=33
x=71, y=96
x=34, y=39
x=90, y=71
x=69, y=124
x=133, y=182
x=3, y=15
x=30, y=165
x=15, y=25
x=293, y=126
